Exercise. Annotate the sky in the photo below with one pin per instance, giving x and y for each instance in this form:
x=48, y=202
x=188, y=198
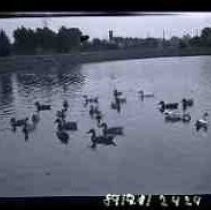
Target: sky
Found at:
x=174, y=24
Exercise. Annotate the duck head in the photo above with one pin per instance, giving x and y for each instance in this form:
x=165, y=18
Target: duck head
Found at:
x=37, y=103
x=205, y=115
x=162, y=103
x=104, y=125
x=58, y=121
x=92, y=131
x=184, y=100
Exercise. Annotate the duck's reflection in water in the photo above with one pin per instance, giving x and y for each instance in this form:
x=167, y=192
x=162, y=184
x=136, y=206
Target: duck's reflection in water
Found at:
x=6, y=90
x=116, y=106
x=63, y=137
x=30, y=127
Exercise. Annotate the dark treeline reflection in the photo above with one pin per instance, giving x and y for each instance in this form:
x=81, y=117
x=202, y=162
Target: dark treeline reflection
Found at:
x=63, y=79
x=6, y=90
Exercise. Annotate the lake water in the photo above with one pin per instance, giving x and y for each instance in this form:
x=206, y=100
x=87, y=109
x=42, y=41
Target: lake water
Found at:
x=152, y=157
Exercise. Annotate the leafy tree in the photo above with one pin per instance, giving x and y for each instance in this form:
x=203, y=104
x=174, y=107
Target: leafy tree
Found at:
x=195, y=41
x=5, y=46
x=45, y=39
x=206, y=37
x=68, y=39
x=24, y=40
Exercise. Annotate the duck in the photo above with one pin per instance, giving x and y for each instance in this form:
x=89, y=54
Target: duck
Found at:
x=63, y=136
x=17, y=123
x=28, y=127
x=106, y=140
x=168, y=105
x=111, y=130
x=202, y=123
x=63, y=125
x=187, y=103
x=61, y=114
x=90, y=100
x=145, y=95
x=42, y=107
x=116, y=106
x=175, y=117
x=35, y=118
x=116, y=93
x=94, y=111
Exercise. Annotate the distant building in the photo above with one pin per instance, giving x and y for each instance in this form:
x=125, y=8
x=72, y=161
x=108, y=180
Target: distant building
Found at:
x=129, y=42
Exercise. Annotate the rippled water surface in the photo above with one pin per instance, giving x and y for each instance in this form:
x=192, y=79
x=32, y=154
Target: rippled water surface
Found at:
x=152, y=157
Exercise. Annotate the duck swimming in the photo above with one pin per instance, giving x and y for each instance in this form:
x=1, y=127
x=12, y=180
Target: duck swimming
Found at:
x=116, y=106
x=145, y=95
x=111, y=130
x=42, y=107
x=28, y=127
x=106, y=140
x=94, y=111
x=17, y=123
x=187, y=103
x=63, y=125
x=175, y=117
x=202, y=123
x=90, y=100
x=168, y=105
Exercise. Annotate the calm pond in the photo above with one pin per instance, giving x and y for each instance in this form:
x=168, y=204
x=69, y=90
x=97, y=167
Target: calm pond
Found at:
x=152, y=157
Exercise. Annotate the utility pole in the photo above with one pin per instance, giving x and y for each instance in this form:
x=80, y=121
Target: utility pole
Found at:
x=45, y=23
x=163, y=34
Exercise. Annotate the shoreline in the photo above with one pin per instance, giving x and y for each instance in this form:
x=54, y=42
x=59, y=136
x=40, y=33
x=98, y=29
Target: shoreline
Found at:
x=27, y=62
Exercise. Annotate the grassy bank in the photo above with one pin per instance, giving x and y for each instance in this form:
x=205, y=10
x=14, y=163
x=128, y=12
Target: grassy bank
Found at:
x=15, y=63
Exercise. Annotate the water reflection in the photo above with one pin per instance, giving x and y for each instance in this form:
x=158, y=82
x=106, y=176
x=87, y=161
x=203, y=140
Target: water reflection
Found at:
x=49, y=82
x=118, y=101
x=63, y=136
x=162, y=150
x=6, y=90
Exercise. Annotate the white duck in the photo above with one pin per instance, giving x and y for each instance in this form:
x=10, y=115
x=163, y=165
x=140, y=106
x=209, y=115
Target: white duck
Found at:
x=203, y=122
x=145, y=95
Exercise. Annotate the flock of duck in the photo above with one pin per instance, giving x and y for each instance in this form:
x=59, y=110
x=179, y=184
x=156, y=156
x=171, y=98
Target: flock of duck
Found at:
x=169, y=110
x=175, y=116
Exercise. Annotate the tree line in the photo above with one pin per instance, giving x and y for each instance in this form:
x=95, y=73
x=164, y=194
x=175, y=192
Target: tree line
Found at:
x=41, y=40
x=66, y=40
